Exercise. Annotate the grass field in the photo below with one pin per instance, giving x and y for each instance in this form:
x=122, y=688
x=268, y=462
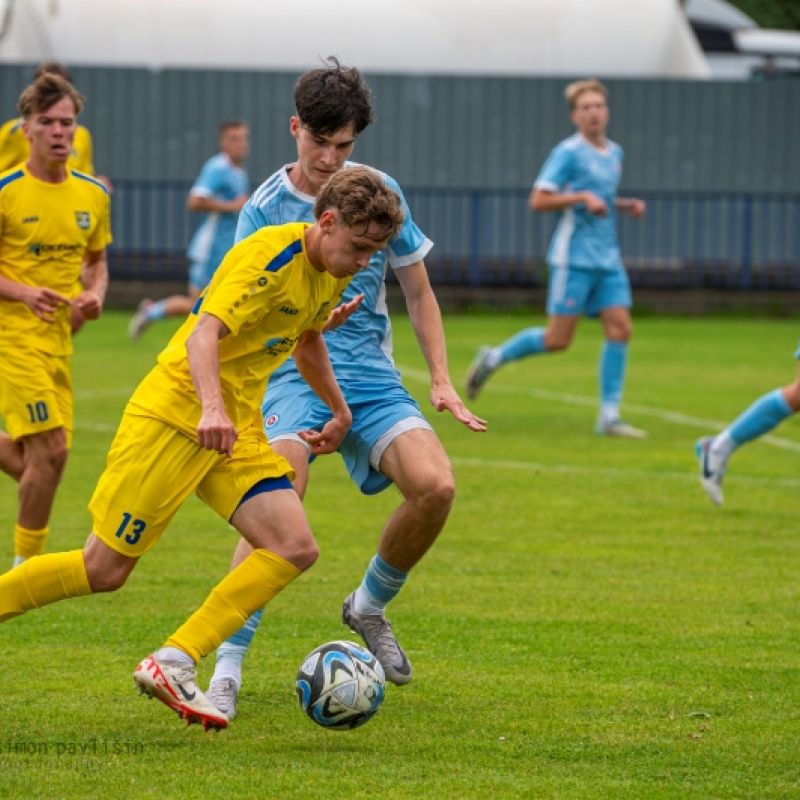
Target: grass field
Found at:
x=588, y=626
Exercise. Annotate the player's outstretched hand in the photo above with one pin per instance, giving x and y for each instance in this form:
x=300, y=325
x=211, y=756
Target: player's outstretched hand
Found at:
x=445, y=398
x=89, y=304
x=329, y=438
x=216, y=432
x=43, y=302
x=342, y=313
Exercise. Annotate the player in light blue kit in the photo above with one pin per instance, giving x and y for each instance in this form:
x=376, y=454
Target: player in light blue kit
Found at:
x=580, y=180
x=219, y=192
x=390, y=441
x=759, y=419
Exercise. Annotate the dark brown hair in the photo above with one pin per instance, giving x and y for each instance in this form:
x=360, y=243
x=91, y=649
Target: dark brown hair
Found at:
x=332, y=97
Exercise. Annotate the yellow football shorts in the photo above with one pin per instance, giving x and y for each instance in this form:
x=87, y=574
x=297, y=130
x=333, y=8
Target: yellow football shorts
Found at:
x=35, y=392
x=152, y=468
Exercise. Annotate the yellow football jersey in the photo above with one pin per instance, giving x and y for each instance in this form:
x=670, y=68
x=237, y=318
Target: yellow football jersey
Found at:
x=45, y=229
x=15, y=149
x=267, y=293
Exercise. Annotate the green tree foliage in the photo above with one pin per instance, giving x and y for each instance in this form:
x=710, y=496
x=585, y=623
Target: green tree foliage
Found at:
x=772, y=13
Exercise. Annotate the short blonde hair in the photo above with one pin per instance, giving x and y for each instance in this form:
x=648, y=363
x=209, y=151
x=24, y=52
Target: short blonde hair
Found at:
x=576, y=89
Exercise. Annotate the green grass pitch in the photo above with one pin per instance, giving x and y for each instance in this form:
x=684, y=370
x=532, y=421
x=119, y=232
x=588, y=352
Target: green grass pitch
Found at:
x=588, y=625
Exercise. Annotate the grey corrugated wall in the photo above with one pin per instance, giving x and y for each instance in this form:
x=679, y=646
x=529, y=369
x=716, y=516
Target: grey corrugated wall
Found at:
x=446, y=131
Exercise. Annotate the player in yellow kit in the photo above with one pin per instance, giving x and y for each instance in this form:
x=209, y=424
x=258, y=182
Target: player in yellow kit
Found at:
x=194, y=425
x=52, y=221
x=14, y=147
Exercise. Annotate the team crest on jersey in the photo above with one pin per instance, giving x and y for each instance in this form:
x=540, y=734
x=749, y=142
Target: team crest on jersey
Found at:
x=271, y=420
x=82, y=218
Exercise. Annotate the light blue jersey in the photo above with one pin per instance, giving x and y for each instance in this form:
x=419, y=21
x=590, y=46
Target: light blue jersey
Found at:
x=222, y=180
x=361, y=349
x=583, y=240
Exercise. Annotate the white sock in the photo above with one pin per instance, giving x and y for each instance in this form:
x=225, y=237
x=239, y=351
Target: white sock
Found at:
x=18, y=560
x=609, y=412
x=173, y=654
x=493, y=358
x=723, y=445
x=228, y=669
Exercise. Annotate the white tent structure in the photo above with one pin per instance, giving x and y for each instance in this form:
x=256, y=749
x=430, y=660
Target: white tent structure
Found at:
x=634, y=38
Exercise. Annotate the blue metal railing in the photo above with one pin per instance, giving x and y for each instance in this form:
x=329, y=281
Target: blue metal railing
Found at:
x=490, y=238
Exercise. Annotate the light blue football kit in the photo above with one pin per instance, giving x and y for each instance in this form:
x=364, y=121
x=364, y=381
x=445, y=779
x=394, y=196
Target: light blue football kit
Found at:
x=360, y=350
x=586, y=271
x=222, y=180
x=361, y=356
x=757, y=420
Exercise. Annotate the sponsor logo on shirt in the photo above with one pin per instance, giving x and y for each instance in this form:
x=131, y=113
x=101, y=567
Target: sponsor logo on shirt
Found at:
x=39, y=249
x=279, y=345
x=29, y=219
x=288, y=310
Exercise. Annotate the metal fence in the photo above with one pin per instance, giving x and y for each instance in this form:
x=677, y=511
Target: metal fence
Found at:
x=491, y=238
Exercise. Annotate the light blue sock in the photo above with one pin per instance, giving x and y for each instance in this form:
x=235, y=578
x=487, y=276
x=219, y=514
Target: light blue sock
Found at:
x=156, y=311
x=381, y=583
x=765, y=414
x=231, y=653
x=613, y=360
x=529, y=342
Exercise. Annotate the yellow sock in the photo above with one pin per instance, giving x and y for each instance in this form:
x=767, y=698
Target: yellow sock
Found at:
x=244, y=590
x=28, y=543
x=42, y=580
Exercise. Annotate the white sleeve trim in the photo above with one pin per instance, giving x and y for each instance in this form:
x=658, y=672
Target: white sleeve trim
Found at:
x=396, y=261
x=547, y=186
x=201, y=191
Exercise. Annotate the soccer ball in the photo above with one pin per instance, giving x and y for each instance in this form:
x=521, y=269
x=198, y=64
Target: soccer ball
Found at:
x=340, y=685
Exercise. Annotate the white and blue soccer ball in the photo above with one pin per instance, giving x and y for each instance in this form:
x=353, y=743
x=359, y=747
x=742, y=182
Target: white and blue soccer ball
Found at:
x=340, y=685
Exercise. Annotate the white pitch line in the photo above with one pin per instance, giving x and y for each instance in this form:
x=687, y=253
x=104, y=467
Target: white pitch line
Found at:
x=581, y=400
x=567, y=469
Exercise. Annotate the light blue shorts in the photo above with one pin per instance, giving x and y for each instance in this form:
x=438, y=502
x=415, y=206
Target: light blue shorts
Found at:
x=381, y=412
x=797, y=353
x=573, y=290
x=200, y=274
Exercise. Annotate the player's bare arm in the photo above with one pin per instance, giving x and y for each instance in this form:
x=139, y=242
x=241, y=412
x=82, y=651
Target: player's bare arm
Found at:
x=94, y=277
x=215, y=431
x=204, y=203
x=39, y=299
x=313, y=363
x=543, y=200
x=426, y=319
x=632, y=206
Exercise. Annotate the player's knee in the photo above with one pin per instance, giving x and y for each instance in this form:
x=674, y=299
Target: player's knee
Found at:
x=556, y=341
x=306, y=555
x=438, y=494
x=49, y=460
x=620, y=332
x=792, y=395
x=106, y=579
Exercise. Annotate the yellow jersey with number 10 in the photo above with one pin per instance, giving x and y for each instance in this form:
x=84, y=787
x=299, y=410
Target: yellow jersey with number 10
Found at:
x=45, y=229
